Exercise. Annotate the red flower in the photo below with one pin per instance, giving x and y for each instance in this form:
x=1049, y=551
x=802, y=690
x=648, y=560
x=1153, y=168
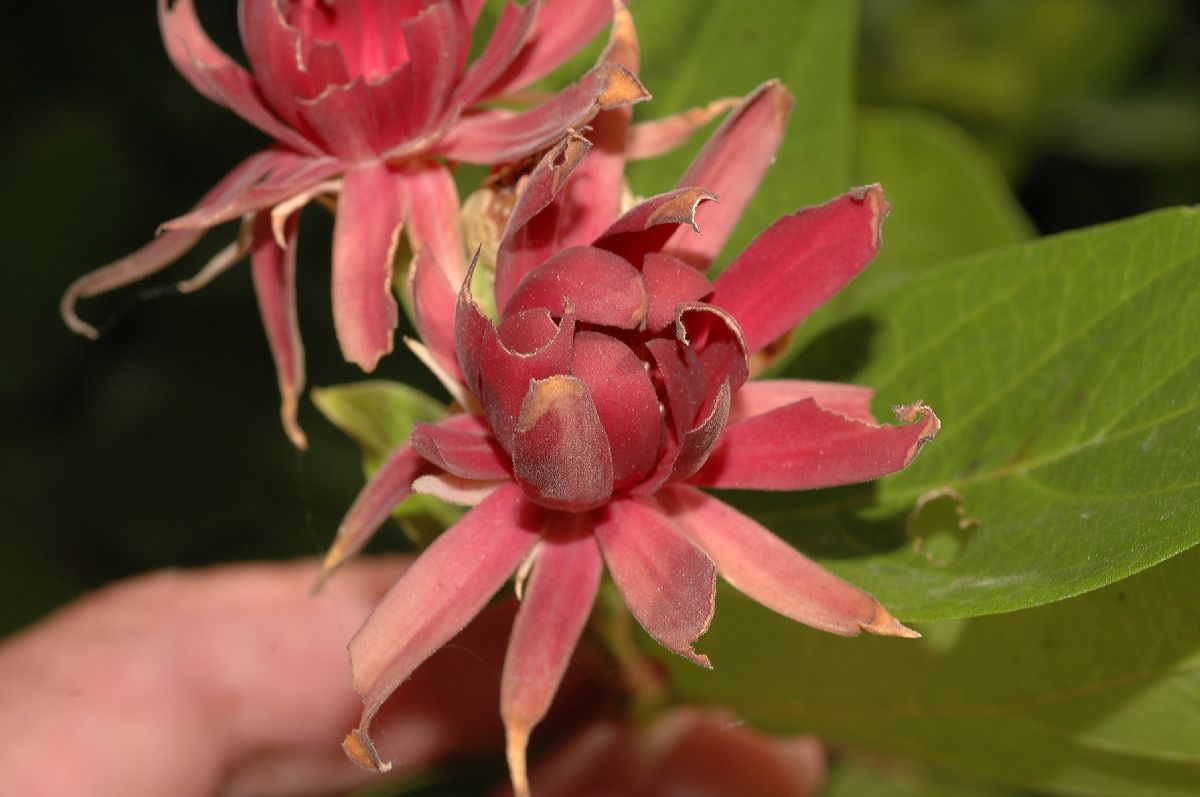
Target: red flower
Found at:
x=614, y=386
x=359, y=97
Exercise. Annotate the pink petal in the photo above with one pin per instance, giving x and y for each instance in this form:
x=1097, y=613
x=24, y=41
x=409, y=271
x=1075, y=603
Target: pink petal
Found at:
x=390, y=485
x=668, y=584
x=693, y=449
x=534, y=228
x=561, y=455
x=365, y=234
x=802, y=446
x=647, y=226
x=768, y=570
x=669, y=283
x=435, y=598
x=554, y=610
x=600, y=287
x=626, y=402
x=718, y=342
x=274, y=272
x=504, y=45
x=433, y=216
x=763, y=395
x=562, y=28
x=438, y=39
x=505, y=374
x=434, y=305
x=287, y=64
x=678, y=368
x=216, y=76
x=277, y=176
x=731, y=165
x=163, y=250
x=659, y=136
x=466, y=449
x=799, y=262
x=498, y=136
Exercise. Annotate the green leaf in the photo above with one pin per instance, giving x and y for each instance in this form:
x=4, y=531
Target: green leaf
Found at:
x=379, y=416
x=698, y=50
x=1067, y=377
x=854, y=776
x=1090, y=696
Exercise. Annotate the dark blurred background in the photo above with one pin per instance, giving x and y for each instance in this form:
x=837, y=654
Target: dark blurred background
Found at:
x=159, y=444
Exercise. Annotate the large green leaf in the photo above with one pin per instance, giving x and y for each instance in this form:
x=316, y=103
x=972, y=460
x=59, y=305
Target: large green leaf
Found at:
x=852, y=776
x=1094, y=695
x=694, y=51
x=1067, y=377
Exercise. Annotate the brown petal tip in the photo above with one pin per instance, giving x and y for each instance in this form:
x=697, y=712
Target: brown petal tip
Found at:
x=681, y=208
x=873, y=195
x=621, y=87
x=883, y=624
x=930, y=425
x=361, y=750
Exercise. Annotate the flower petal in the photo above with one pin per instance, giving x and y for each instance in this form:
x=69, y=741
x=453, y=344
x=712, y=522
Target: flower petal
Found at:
x=760, y=396
x=647, y=226
x=215, y=75
x=799, y=262
x=767, y=569
x=678, y=368
x=433, y=307
x=532, y=234
x=718, y=342
x=561, y=455
x=433, y=216
x=668, y=584
x=279, y=176
x=802, y=446
x=625, y=399
x=390, y=485
x=731, y=165
x=370, y=214
x=499, y=136
x=274, y=273
x=562, y=28
x=557, y=602
x=448, y=585
x=503, y=46
x=659, y=136
x=600, y=287
x=465, y=449
x=165, y=248
x=505, y=374
x=669, y=283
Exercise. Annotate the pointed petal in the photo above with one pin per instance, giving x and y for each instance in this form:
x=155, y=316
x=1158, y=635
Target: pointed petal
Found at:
x=531, y=236
x=731, y=165
x=625, y=400
x=760, y=396
x=433, y=216
x=599, y=286
x=799, y=262
x=448, y=585
x=659, y=136
x=498, y=136
x=719, y=345
x=465, y=449
x=455, y=489
x=390, y=485
x=649, y=225
x=470, y=327
x=215, y=75
x=561, y=455
x=505, y=374
x=767, y=569
x=556, y=604
x=221, y=262
x=802, y=446
x=562, y=28
x=669, y=283
x=276, y=177
x=668, y=584
x=365, y=234
x=434, y=305
x=274, y=272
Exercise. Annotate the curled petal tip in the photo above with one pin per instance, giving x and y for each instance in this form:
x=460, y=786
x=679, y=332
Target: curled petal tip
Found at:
x=873, y=195
x=621, y=87
x=883, y=624
x=930, y=425
x=361, y=750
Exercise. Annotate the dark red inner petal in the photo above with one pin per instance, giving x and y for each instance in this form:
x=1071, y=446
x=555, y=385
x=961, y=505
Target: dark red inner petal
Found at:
x=669, y=283
x=602, y=288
